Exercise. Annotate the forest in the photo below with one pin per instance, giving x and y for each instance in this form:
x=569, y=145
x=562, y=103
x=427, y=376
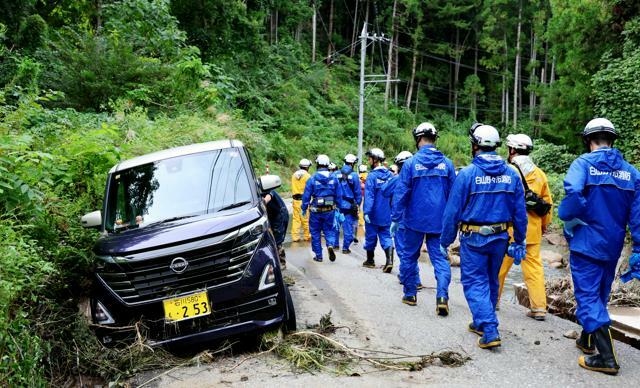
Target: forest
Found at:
x=86, y=83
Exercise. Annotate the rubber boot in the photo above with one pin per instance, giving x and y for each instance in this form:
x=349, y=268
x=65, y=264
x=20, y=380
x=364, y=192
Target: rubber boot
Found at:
x=489, y=341
x=605, y=361
x=585, y=343
x=410, y=300
x=476, y=330
x=388, y=266
x=442, y=307
x=332, y=254
x=369, y=263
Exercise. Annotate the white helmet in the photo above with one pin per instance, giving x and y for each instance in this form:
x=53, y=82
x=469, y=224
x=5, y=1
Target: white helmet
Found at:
x=520, y=142
x=486, y=136
x=424, y=129
x=350, y=158
x=323, y=160
x=599, y=125
x=402, y=156
x=304, y=163
x=362, y=168
x=376, y=154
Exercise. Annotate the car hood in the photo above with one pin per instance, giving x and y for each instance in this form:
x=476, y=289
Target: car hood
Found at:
x=174, y=233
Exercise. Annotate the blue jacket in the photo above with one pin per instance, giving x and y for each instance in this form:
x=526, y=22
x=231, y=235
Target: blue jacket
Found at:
x=376, y=205
x=422, y=190
x=350, y=184
x=322, y=189
x=603, y=190
x=486, y=192
x=390, y=187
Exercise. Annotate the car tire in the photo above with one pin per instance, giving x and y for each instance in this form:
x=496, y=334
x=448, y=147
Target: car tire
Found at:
x=290, y=324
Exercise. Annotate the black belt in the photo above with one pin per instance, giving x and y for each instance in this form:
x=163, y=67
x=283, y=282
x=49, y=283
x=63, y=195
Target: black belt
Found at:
x=322, y=209
x=485, y=230
x=297, y=197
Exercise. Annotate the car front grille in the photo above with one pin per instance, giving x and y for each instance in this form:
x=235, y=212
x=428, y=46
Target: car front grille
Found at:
x=139, y=281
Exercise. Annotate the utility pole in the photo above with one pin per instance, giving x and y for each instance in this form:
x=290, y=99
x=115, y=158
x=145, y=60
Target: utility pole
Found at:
x=363, y=54
x=374, y=78
x=313, y=34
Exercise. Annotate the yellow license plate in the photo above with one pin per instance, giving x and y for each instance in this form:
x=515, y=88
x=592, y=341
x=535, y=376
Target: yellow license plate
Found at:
x=187, y=307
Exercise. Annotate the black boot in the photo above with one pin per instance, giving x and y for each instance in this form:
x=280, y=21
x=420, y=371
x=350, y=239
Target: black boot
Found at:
x=388, y=266
x=605, y=361
x=332, y=254
x=442, y=306
x=585, y=343
x=369, y=263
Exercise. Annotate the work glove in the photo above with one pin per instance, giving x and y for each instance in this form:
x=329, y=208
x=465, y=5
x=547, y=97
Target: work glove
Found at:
x=393, y=228
x=634, y=269
x=304, y=212
x=518, y=252
x=366, y=219
x=444, y=251
x=338, y=219
x=571, y=224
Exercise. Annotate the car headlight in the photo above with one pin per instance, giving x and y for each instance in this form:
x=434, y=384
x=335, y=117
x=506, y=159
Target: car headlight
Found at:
x=268, y=278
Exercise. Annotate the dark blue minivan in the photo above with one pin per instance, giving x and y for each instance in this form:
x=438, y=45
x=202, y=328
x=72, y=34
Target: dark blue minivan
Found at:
x=186, y=253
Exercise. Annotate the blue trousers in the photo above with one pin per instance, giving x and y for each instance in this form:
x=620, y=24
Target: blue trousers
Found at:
x=347, y=229
x=408, y=245
x=373, y=232
x=321, y=223
x=592, y=281
x=480, y=261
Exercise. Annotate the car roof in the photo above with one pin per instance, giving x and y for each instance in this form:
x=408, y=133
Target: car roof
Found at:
x=175, y=152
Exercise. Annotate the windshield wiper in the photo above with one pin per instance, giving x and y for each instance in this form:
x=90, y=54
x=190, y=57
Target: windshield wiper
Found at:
x=170, y=220
x=235, y=205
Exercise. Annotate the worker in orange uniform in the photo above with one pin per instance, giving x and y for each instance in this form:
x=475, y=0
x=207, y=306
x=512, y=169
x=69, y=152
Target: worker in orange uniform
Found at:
x=539, y=216
x=298, y=182
x=362, y=173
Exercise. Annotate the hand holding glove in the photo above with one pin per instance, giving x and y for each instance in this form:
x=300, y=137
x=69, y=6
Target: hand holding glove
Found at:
x=366, y=219
x=393, y=228
x=571, y=224
x=445, y=252
x=518, y=252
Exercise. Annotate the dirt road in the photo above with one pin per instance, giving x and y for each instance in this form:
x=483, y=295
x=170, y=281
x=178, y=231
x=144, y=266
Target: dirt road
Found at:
x=368, y=302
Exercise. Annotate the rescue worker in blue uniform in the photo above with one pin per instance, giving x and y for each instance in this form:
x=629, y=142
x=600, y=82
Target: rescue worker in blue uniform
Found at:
x=602, y=198
x=487, y=197
x=418, y=203
x=321, y=194
x=377, y=211
x=351, y=198
x=388, y=190
x=278, y=216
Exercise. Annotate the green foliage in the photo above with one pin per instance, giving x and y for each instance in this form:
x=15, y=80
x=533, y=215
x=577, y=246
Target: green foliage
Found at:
x=552, y=158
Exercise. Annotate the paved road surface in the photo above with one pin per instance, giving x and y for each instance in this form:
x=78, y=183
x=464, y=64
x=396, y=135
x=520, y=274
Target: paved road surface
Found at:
x=368, y=301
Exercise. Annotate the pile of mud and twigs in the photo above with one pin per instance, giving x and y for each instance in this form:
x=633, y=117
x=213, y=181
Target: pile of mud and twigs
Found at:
x=563, y=301
x=313, y=350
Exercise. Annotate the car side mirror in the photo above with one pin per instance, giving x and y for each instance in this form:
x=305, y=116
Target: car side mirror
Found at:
x=269, y=182
x=92, y=220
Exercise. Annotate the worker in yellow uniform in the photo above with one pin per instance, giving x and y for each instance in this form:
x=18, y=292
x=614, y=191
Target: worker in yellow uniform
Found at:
x=298, y=182
x=539, y=203
x=362, y=173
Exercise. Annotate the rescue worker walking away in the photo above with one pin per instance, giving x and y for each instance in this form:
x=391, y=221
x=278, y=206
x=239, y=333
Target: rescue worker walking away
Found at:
x=419, y=200
x=298, y=182
x=321, y=194
x=362, y=173
x=377, y=211
x=388, y=191
x=278, y=216
x=602, y=198
x=487, y=197
x=539, y=215
x=350, y=203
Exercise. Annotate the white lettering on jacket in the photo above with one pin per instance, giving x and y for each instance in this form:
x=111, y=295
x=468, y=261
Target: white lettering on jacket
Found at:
x=441, y=166
x=485, y=180
x=619, y=174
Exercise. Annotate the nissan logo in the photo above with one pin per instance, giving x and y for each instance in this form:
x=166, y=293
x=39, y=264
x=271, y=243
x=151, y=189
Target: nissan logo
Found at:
x=179, y=265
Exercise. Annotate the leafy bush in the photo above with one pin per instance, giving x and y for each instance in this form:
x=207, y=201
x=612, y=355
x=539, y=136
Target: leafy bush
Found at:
x=552, y=158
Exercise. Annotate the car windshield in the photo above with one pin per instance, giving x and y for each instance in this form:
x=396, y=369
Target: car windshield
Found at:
x=177, y=188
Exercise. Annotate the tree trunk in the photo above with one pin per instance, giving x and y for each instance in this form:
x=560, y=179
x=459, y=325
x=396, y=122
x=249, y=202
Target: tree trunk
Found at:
x=313, y=33
x=276, y=26
x=355, y=30
x=474, y=101
x=387, y=88
x=456, y=75
x=517, y=70
x=418, y=89
x=98, y=15
x=532, y=80
x=396, y=65
x=553, y=71
x=330, y=45
x=414, y=61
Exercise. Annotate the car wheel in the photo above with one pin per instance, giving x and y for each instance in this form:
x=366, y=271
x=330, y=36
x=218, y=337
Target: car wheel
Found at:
x=289, y=324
